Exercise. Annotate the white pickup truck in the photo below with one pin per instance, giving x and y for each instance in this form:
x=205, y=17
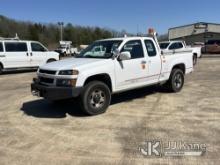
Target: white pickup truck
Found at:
x=66, y=49
x=125, y=64
x=19, y=54
x=179, y=46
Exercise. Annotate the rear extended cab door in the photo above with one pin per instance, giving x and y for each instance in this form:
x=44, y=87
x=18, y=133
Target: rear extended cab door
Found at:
x=16, y=54
x=153, y=60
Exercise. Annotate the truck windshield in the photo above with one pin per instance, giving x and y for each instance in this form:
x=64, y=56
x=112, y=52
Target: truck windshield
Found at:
x=164, y=45
x=100, y=49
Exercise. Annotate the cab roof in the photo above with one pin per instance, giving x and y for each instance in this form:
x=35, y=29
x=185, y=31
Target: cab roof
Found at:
x=125, y=38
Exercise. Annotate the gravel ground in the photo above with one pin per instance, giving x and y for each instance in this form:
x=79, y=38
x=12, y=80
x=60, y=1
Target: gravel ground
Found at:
x=35, y=131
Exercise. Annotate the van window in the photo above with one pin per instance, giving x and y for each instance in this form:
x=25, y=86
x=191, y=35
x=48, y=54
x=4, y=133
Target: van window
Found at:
x=135, y=48
x=16, y=47
x=35, y=47
x=151, y=50
x=1, y=47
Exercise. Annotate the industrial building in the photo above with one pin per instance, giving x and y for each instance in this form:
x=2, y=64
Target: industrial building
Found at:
x=198, y=32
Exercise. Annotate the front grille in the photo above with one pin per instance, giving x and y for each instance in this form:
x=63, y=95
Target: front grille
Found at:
x=46, y=80
x=47, y=71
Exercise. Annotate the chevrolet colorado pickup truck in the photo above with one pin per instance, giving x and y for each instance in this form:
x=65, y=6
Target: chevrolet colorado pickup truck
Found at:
x=178, y=46
x=122, y=64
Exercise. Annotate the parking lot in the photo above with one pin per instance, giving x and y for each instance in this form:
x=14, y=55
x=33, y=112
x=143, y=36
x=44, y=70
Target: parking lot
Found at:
x=35, y=131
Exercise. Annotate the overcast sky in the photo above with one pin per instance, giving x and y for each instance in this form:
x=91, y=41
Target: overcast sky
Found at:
x=130, y=15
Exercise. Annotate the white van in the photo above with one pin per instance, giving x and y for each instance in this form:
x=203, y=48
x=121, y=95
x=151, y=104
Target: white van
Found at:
x=19, y=54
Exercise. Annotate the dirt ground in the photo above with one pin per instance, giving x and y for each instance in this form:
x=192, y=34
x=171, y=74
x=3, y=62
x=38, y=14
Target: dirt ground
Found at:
x=35, y=131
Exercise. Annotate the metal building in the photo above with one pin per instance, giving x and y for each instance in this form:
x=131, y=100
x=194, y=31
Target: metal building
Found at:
x=198, y=32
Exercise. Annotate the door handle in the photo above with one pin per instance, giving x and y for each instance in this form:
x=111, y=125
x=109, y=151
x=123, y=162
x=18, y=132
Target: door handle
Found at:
x=2, y=56
x=31, y=54
x=143, y=62
x=27, y=54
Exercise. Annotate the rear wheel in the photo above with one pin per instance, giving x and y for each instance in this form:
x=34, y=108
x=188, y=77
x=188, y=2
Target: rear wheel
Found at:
x=194, y=59
x=1, y=68
x=176, y=80
x=95, y=98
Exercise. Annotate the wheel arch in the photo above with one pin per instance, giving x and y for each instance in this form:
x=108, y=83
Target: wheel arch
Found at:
x=104, y=77
x=51, y=59
x=180, y=66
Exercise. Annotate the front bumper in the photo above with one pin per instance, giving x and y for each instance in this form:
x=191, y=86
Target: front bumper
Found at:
x=55, y=93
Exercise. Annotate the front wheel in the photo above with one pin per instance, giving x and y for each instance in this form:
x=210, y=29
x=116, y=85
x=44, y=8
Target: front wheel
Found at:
x=95, y=98
x=176, y=80
x=1, y=68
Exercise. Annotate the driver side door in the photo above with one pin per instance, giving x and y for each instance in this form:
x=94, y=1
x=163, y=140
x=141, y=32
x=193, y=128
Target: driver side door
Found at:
x=38, y=54
x=131, y=73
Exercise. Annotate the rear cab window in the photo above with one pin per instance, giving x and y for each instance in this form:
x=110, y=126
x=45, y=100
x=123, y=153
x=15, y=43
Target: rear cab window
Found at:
x=151, y=49
x=1, y=47
x=16, y=47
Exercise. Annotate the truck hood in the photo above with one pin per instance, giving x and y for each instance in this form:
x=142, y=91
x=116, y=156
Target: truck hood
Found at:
x=70, y=63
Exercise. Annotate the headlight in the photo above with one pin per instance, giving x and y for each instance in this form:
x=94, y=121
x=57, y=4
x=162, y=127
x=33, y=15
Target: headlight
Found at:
x=68, y=72
x=66, y=82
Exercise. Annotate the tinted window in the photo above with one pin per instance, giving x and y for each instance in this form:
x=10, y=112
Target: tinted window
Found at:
x=151, y=50
x=35, y=47
x=1, y=47
x=164, y=45
x=135, y=48
x=15, y=47
x=176, y=45
x=212, y=42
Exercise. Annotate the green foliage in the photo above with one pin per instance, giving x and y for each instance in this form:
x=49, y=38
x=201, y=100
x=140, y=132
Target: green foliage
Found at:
x=49, y=34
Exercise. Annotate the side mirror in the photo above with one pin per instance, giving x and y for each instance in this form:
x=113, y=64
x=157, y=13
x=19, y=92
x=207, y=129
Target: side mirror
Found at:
x=124, y=56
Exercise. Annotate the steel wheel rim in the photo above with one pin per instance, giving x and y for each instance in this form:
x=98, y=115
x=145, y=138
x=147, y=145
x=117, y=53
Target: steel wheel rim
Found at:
x=178, y=80
x=97, y=99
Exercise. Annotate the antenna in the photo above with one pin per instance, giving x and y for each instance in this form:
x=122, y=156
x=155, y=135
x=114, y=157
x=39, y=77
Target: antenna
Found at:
x=137, y=30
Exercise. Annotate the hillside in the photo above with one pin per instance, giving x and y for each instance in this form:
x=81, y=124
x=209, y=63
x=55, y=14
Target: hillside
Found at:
x=49, y=34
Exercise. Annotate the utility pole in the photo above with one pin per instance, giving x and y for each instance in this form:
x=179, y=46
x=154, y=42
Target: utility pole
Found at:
x=61, y=30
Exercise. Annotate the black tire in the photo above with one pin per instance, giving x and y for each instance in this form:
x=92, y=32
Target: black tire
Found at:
x=95, y=98
x=194, y=59
x=176, y=81
x=51, y=60
x=1, y=68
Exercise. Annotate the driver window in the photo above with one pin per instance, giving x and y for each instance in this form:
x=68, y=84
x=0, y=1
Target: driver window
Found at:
x=177, y=45
x=37, y=47
x=173, y=46
x=135, y=48
x=1, y=47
